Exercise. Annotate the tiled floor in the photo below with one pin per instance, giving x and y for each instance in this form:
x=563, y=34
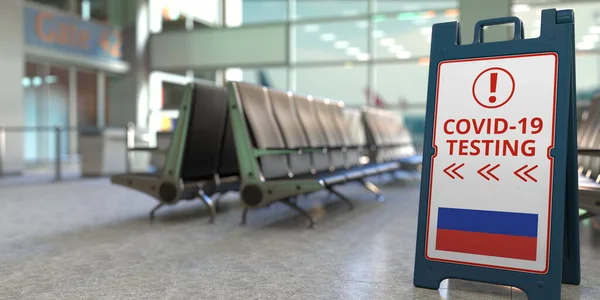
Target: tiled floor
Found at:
x=91, y=240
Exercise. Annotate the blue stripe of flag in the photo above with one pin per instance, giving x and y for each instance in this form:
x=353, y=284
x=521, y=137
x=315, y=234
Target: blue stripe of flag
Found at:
x=496, y=222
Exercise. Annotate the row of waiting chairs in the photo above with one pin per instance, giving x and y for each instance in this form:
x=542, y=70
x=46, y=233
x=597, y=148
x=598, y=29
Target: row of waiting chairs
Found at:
x=272, y=146
x=588, y=137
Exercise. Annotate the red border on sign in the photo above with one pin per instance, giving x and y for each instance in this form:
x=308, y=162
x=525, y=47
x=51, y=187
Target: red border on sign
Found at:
x=550, y=188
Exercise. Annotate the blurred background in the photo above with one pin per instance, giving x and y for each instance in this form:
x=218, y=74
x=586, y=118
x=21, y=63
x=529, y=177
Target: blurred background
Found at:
x=76, y=73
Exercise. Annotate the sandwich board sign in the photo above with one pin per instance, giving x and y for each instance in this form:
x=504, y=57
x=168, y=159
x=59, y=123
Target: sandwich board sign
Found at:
x=498, y=200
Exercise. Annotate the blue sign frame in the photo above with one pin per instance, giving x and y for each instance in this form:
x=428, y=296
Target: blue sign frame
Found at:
x=557, y=35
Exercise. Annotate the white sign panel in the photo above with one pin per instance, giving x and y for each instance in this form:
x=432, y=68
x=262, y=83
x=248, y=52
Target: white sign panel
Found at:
x=491, y=174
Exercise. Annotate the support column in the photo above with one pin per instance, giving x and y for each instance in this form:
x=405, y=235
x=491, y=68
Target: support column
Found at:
x=472, y=11
x=45, y=137
x=72, y=112
x=73, y=7
x=129, y=94
x=100, y=99
x=12, y=64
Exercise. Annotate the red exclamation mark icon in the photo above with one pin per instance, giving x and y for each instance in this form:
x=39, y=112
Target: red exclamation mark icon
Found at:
x=493, y=81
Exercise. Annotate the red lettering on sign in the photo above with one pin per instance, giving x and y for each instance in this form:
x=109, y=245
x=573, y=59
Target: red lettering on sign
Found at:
x=497, y=124
x=53, y=31
x=486, y=126
x=39, y=26
x=446, y=130
x=112, y=48
x=491, y=147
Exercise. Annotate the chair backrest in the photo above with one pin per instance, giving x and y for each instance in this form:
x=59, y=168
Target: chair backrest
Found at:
x=228, y=165
x=314, y=133
x=336, y=111
x=401, y=137
x=586, y=132
x=323, y=113
x=285, y=114
x=202, y=149
x=263, y=126
x=312, y=128
x=374, y=133
x=293, y=134
x=386, y=126
x=590, y=139
x=321, y=108
x=354, y=127
x=370, y=118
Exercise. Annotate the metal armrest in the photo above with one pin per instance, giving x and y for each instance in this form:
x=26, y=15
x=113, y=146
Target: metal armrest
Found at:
x=143, y=149
x=154, y=150
x=387, y=146
x=589, y=152
x=285, y=151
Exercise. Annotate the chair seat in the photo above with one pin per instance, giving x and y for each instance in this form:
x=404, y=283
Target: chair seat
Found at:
x=588, y=184
x=411, y=162
x=329, y=178
x=354, y=174
x=584, y=179
x=145, y=174
x=333, y=178
x=388, y=167
x=370, y=170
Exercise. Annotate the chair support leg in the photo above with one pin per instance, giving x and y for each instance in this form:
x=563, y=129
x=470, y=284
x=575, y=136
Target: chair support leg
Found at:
x=586, y=215
x=244, y=217
x=373, y=189
x=218, y=201
x=154, y=210
x=332, y=191
x=295, y=207
x=209, y=203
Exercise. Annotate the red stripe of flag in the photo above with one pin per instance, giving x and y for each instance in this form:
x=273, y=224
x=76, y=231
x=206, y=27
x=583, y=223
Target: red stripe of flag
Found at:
x=488, y=244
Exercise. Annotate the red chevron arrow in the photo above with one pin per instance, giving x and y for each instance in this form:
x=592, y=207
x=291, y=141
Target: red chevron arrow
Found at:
x=526, y=173
x=488, y=172
x=453, y=171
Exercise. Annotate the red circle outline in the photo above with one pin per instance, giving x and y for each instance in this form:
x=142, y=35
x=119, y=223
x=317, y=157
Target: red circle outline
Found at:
x=505, y=101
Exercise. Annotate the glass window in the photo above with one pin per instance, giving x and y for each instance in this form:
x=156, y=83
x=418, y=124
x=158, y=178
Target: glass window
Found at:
x=172, y=95
x=93, y=9
x=60, y=4
x=587, y=37
x=413, y=5
x=587, y=31
x=208, y=75
x=329, y=8
x=341, y=83
x=46, y=94
x=238, y=12
x=414, y=121
x=402, y=86
x=183, y=14
x=336, y=41
x=587, y=67
x=406, y=35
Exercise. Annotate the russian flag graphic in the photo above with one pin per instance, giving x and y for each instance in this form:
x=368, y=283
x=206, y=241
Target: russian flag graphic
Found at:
x=489, y=233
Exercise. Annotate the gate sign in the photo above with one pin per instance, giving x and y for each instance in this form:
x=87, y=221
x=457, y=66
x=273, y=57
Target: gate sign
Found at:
x=499, y=184
x=491, y=178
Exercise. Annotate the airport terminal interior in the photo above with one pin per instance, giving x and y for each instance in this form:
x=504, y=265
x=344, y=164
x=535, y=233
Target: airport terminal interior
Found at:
x=287, y=149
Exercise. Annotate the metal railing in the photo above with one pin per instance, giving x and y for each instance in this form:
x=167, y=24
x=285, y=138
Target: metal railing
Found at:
x=53, y=145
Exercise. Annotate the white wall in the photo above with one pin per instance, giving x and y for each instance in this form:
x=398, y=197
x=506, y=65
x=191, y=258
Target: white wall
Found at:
x=11, y=91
